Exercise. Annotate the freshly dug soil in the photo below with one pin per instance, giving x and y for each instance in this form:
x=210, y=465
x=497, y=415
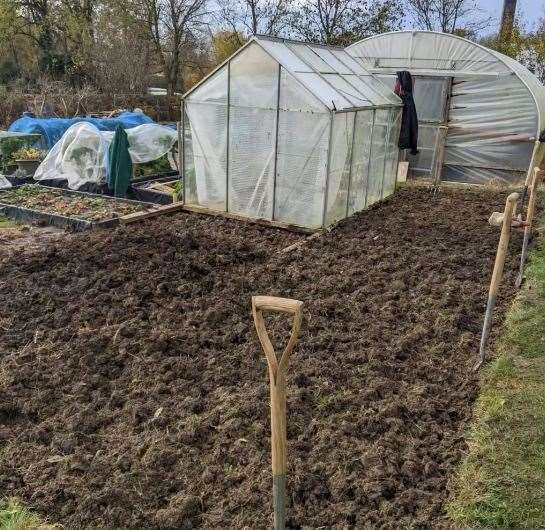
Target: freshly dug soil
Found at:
x=134, y=393
x=88, y=207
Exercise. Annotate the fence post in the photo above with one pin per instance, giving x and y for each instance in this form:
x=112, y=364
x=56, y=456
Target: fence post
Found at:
x=537, y=177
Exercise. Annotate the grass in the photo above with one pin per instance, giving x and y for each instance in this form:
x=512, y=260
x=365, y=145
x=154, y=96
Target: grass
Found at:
x=6, y=223
x=14, y=516
x=501, y=483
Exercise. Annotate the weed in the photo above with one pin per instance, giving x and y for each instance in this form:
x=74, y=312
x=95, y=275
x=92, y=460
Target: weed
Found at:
x=14, y=516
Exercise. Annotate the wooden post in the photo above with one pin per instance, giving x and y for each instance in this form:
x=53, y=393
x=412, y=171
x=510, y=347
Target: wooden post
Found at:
x=537, y=177
x=439, y=159
x=510, y=205
x=277, y=376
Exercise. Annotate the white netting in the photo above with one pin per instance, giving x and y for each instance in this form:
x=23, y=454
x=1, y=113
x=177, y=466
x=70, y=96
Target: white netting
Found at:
x=252, y=132
x=378, y=151
x=251, y=161
x=81, y=155
x=206, y=144
x=208, y=129
x=360, y=162
x=339, y=166
x=392, y=154
x=303, y=138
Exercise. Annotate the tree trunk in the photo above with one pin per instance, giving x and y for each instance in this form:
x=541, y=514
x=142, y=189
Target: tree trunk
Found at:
x=508, y=19
x=172, y=74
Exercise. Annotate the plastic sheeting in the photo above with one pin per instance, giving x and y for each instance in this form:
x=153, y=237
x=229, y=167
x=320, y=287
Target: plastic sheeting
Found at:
x=52, y=129
x=262, y=139
x=81, y=155
x=495, y=112
x=329, y=73
x=206, y=152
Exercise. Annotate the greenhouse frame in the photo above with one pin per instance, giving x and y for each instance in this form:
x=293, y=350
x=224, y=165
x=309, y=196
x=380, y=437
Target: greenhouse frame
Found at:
x=290, y=132
x=481, y=113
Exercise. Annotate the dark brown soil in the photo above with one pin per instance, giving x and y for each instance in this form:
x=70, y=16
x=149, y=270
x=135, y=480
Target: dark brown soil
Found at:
x=134, y=393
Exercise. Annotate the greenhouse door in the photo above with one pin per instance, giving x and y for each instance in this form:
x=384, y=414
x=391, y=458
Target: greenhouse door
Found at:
x=431, y=96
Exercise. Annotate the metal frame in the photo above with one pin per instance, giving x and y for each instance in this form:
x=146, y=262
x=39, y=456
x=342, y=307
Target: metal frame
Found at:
x=353, y=72
x=439, y=73
x=372, y=107
x=182, y=157
x=333, y=71
x=351, y=164
x=386, y=144
x=313, y=70
x=369, y=158
x=276, y=139
x=228, y=142
x=328, y=166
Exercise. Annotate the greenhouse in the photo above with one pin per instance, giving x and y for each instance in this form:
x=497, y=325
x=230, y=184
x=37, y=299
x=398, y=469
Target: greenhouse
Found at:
x=290, y=132
x=481, y=113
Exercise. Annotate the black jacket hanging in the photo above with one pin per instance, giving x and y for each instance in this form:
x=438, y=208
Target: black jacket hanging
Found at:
x=408, y=137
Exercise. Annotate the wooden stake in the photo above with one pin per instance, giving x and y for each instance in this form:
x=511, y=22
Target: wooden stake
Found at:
x=402, y=170
x=510, y=205
x=277, y=376
x=537, y=177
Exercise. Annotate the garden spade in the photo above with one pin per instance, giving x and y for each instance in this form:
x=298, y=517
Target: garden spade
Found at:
x=277, y=376
x=506, y=221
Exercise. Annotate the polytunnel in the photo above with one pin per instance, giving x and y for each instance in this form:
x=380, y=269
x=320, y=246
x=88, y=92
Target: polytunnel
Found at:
x=481, y=113
x=291, y=132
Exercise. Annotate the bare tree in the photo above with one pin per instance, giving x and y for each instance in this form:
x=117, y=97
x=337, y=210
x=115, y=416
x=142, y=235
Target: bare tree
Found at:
x=266, y=17
x=119, y=58
x=173, y=26
x=448, y=16
x=343, y=21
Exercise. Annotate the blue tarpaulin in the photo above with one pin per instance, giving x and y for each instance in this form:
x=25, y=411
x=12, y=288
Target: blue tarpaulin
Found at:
x=52, y=129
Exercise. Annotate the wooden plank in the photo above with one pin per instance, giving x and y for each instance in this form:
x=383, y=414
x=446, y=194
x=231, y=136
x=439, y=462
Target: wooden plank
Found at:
x=402, y=170
x=178, y=206
x=439, y=160
x=148, y=214
x=300, y=244
x=251, y=220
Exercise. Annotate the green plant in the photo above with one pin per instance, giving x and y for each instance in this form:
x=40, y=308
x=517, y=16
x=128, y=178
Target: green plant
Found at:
x=178, y=191
x=155, y=167
x=8, y=146
x=28, y=153
x=14, y=516
x=78, y=153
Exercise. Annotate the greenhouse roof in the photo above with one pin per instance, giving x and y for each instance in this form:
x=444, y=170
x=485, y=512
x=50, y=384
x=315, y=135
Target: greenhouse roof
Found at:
x=335, y=78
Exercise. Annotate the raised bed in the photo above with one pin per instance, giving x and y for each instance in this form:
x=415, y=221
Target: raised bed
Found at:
x=160, y=176
x=154, y=190
x=75, y=210
x=138, y=189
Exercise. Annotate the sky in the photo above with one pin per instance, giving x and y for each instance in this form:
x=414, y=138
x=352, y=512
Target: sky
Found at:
x=531, y=10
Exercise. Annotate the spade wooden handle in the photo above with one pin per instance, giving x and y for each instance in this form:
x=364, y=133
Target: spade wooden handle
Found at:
x=277, y=376
x=278, y=305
